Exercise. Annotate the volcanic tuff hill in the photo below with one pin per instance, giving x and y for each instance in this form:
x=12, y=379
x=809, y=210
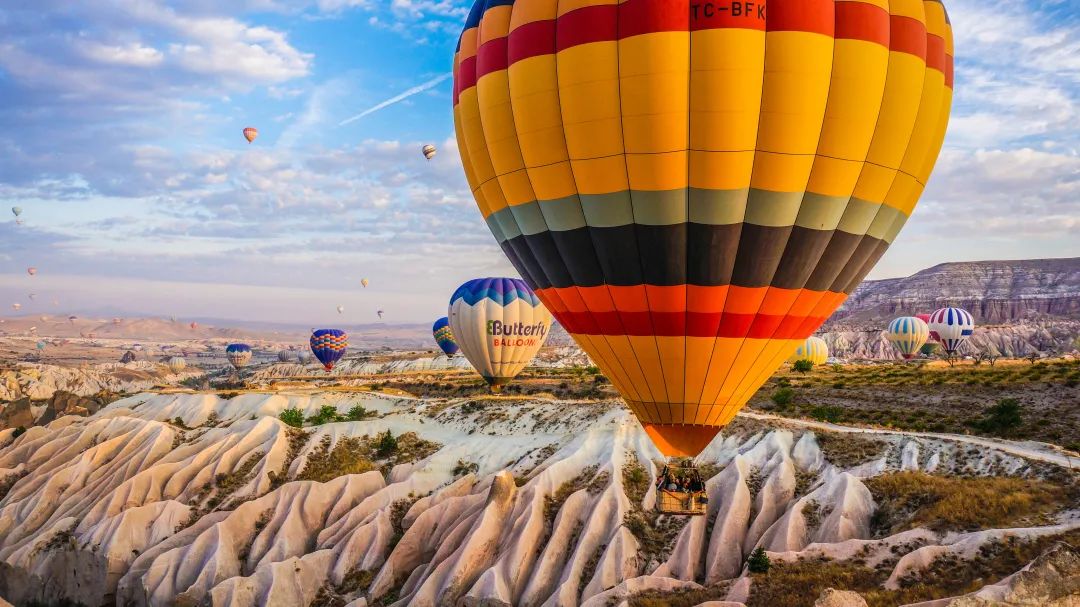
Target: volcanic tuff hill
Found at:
x=995, y=292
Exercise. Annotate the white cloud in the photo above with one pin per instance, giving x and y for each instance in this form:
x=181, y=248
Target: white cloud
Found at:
x=133, y=54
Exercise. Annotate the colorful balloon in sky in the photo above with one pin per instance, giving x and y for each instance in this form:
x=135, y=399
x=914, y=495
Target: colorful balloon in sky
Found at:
x=238, y=354
x=499, y=324
x=444, y=336
x=908, y=334
x=16, y=211
x=926, y=319
x=31, y=271
x=428, y=151
x=340, y=309
x=177, y=364
x=364, y=282
x=814, y=349
x=16, y=306
x=693, y=192
x=952, y=326
x=250, y=133
x=329, y=345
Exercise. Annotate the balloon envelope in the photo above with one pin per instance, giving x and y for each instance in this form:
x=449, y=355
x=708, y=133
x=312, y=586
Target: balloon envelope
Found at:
x=304, y=357
x=16, y=306
x=340, y=309
x=428, y=151
x=250, y=133
x=238, y=354
x=16, y=211
x=329, y=345
x=31, y=271
x=176, y=364
x=908, y=334
x=693, y=192
x=952, y=326
x=499, y=324
x=284, y=356
x=814, y=349
x=364, y=282
x=444, y=336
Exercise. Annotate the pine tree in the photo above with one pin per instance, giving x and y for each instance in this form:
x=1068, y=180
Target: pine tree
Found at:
x=759, y=561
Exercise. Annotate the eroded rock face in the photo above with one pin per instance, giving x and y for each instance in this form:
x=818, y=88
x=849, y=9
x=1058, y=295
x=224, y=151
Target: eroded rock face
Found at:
x=189, y=498
x=1052, y=580
x=830, y=597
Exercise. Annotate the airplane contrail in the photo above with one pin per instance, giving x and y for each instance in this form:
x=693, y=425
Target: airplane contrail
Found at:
x=420, y=88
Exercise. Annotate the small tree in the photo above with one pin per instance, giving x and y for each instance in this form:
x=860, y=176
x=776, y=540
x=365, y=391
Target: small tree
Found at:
x=783, y=396
x=803, y=365
x=1001, y=418
x=292, y=417
x=1033, y=357
x=387, y=444
x=358, y=413
x=978, y=358
x=758, y=561
x=992, y=354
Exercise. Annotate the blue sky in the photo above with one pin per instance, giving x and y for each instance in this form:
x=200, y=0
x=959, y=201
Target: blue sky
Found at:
x=120, y=127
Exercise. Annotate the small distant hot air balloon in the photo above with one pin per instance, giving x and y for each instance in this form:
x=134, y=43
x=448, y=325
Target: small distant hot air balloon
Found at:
x=379, y=312
x=341, y=309
x=117, y=321
x=908, y=334
x=364, y=282
x=814, y=349
x=40, y=345
x=32, y=296
x=303, y=356
x=953, y=326
x=193, y=325
x=31, y=270
x=499, y=324
x=284, y=356
x=428, y=151
x=250, y=133
x=16, y=306
x=444, y=336
x=328, y=345
x=176, y=364
x=136, y=347
x=43, y=318
x=238, y=354
x=72, y=319
x=16, y=211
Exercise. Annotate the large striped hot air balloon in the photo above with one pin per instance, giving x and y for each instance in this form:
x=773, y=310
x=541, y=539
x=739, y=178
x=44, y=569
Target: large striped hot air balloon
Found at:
x=692, y=189
x=284, y=356
x=814, y=349
x=444, y=336
x=499, y=324
x=952, y=326
x=238, y=354
x=329, y=345
x=908, y=334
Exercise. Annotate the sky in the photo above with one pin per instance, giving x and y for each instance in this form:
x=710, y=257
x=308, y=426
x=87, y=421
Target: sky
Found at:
x=120, y=138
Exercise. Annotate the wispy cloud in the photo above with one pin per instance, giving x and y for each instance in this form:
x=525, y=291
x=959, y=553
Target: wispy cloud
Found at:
x=420, y=88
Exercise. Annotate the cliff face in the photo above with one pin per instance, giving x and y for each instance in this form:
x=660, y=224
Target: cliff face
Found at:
x=993, y=291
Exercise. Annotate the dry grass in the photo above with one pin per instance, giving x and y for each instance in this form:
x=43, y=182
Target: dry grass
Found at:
x=683, y=598
x=356, y=455
x=915, y=499
x=849, y=450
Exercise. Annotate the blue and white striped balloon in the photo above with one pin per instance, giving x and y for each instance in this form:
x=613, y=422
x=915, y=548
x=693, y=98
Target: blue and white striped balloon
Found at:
x=953, y=326
x=908, y=334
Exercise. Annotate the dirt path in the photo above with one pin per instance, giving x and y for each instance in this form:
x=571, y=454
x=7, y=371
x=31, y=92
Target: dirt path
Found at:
x=1027, y=450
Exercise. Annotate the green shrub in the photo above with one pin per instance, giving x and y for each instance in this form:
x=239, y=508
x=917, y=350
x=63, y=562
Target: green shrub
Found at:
x=358, y=413
x=326, y=414
x=18, y=432
x=758, y=561
x=387, y=444
x=783, y=396
x=803, y=365
x=1001, y=418
x=827, y=414
x=292, y=417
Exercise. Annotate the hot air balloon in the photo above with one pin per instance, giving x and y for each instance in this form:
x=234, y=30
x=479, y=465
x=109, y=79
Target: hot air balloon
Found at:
x=16, y=211
x=499, y=324
x=238, y=354
x=341, y=309
x=16, y=306
x=40, y=345
x=117, y=321
x=428, y=151
x=379, y=312
x=72, y=319
x=176, y=364
x=32, y=296
x=814, y=349
x=444, y=336
x=691, y=231
x=908, y=334
x=303, y=356
x=284, y=356
x=328, y=345
x=250, y=133
x=926, y=319
x=953, y=326
x=193, y=325
x=364, y=282
x=31, y=271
